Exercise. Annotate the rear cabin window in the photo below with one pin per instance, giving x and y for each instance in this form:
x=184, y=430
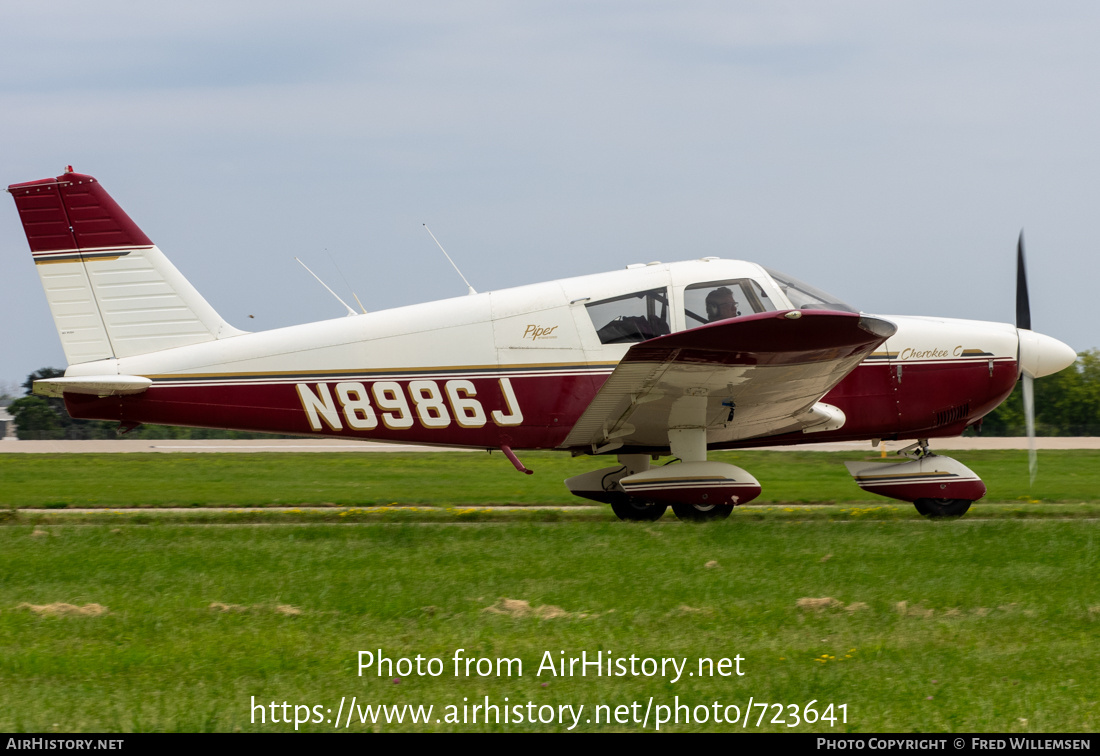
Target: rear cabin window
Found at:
x=631, y=318
x=720, y=300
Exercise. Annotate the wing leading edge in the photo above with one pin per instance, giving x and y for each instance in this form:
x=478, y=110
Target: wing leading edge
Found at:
x=751, y=376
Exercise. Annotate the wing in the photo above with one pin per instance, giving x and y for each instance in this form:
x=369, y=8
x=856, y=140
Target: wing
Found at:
x=756, y=375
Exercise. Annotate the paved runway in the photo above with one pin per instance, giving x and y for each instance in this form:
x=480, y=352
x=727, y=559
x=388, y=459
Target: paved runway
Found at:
x=337, y=445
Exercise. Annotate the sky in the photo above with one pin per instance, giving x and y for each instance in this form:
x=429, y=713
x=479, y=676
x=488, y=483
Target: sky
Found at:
x=888, y=153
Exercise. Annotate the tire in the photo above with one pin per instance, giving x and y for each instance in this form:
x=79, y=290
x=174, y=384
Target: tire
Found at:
x=631, y=509
x=937, y=508
x=702, y=513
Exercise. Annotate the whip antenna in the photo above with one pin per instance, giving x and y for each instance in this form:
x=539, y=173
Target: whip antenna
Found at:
x=452, y=262
x=333, y=261
x=330, y=291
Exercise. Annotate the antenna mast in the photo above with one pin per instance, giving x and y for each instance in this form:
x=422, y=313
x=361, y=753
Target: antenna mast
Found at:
x=330, y=291
x=452, y=262
x=338, y=270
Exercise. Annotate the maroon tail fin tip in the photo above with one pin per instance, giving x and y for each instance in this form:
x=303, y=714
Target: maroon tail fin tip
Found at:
x=73, y=212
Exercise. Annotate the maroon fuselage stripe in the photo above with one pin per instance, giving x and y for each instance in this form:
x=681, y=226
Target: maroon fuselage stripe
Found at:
x=875, y=402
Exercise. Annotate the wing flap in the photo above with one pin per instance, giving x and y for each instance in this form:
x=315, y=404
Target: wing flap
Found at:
x=751, y=376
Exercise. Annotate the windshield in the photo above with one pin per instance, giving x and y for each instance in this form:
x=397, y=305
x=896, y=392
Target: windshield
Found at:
x=806, y=297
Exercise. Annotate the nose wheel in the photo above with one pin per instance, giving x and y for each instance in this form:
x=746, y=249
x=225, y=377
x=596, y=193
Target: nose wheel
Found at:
x=937, y=486
x=936, y=508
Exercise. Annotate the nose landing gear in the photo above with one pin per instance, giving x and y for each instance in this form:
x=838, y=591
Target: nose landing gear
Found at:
x=937, y=486
x=934, y=508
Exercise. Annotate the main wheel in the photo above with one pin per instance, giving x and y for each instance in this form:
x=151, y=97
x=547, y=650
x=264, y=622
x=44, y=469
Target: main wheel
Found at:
x=638, y=510
x=936, y=508
x=701, y=512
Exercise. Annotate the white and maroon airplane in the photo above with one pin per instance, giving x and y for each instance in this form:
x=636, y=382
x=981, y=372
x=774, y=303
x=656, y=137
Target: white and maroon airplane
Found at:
x=658, y=359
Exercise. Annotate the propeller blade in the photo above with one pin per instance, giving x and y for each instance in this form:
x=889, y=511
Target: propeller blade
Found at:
x=1029, y=420
x=1023, y=323
x=1023, y=307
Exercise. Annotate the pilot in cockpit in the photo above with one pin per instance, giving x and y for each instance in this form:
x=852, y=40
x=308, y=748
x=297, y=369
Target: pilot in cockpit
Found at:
x=721, y=305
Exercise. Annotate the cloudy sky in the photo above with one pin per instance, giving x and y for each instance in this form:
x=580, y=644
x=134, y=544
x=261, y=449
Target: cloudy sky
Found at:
x=887, y=152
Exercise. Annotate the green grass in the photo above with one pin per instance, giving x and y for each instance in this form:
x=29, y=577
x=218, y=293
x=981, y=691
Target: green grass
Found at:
x=353, y=479
x=997, y=633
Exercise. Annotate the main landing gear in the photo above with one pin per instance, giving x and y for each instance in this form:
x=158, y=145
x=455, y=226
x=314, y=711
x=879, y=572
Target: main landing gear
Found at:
x=937, y=486
x=702, y=512
x=696, y=489
x=638, y=510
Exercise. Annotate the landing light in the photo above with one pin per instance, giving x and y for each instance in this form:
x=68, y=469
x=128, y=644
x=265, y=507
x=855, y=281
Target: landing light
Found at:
x=877, y=326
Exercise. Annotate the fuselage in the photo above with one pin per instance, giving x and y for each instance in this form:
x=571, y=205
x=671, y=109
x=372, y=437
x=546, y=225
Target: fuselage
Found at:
x=518, y=367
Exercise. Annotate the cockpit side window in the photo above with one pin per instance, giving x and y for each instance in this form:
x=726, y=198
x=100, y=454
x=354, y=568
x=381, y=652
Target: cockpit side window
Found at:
x=719, y=300
x=631, y=318
x=806, y=297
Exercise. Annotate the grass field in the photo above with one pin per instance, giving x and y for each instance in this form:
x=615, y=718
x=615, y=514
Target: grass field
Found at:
x=986, y=624
x=997, y=632
x=126, y=480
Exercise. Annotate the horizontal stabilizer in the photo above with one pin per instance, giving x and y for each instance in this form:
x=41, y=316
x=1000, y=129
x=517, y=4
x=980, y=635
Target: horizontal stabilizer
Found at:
x=94, y=385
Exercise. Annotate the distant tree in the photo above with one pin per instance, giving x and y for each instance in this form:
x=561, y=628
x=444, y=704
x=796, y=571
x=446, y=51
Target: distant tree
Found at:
x=40, y=418
x=1066, y=403
x=46, y=372
x=35, y=419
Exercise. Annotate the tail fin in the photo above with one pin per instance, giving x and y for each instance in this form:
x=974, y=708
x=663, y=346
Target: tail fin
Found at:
x=111, y=291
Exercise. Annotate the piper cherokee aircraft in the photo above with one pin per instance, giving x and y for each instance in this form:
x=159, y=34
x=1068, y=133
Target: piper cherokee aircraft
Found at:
x=657, y=359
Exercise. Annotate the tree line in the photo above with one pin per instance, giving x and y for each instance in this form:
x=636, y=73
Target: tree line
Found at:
x=1066, y=404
